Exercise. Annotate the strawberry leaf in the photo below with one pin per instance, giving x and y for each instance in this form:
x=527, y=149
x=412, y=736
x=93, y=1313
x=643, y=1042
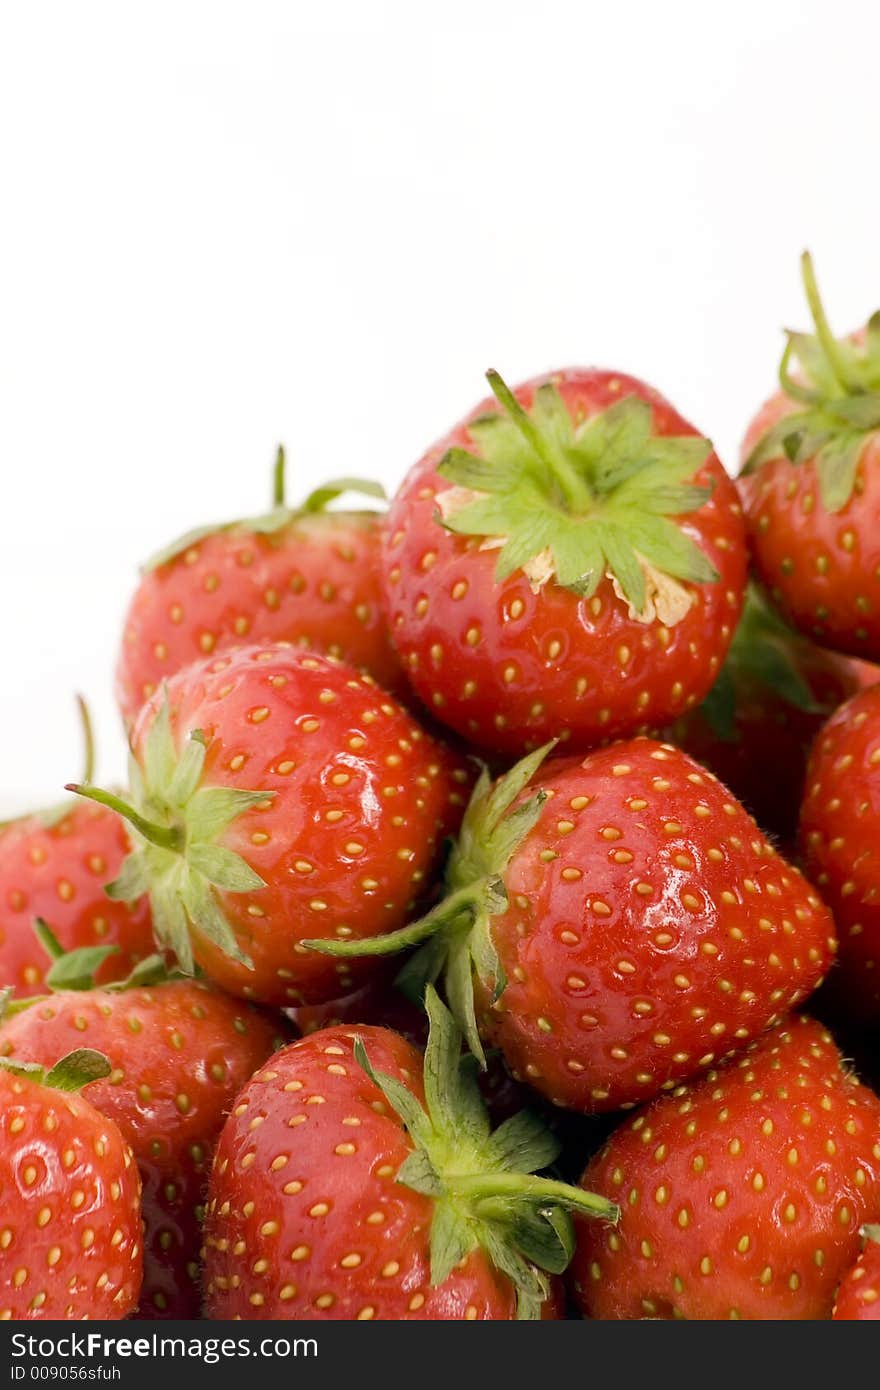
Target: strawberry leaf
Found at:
x=484, y=1191
x=536, y=485
x=77, y=969
x=224, y=868
x=175, y=824
x=837, y=463
x=77, y=1069
x=451, y=1241
x=839, y=386
x=523, y=1144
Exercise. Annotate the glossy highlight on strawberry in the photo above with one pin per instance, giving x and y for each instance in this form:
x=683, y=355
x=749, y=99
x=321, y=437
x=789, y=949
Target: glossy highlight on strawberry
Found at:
x=615, y=923
x=277, y=795
x=70, y=1216
x=179, y=1052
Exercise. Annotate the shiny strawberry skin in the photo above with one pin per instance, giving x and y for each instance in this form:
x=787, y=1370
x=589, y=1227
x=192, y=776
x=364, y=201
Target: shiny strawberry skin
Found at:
x=315, y=583
x=651, y=929
x=509, y=669
x=363, y=799
x=70, y=1217
x=858, y=1297
x=742, y=1195
x=821, y=568
x=305, y=1218
x=58, y=872
x=180, y=1053
x=840, y=821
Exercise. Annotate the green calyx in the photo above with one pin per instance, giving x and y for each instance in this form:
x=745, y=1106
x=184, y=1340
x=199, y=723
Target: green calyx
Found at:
x=574, y=502
x=764, y=653
x=76, y=970
x=279, y=515
x=482, y=1184
x=837, y=388
x=455, y=938
x=71, y=1073
x=175, y=824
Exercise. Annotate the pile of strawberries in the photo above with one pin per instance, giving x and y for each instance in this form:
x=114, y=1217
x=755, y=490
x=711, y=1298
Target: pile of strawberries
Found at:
x=495, y=888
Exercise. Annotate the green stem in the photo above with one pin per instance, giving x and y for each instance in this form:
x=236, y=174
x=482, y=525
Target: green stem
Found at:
x=444, y=915
x=567, y=477
x=795, y=390
x=165, y=836
x=544, y=1190
x=830, y=346
x=47, y=939
x=85, y=720
x=278, y=481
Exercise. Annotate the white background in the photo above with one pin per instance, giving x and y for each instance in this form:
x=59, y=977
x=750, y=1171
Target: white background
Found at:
x=225, y=225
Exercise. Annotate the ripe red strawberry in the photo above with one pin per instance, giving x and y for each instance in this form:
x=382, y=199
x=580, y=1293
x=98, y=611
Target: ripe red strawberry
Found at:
x=180, y=1052
x=349, y=1185
x=70, y=1216
x=775, y=691
x=811, y=485
x=741, y=1195
x=616, y=923
x=54, y=863
x=840, y=824
x=568, y=562
x=304, y=575
x=858, y=1298
x=277, y=794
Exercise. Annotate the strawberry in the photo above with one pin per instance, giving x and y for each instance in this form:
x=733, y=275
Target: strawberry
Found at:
x=774, y=693
x=811, y=484
x=379, y=1004
x=304, y=575
x=275, y=794
x=615, y=923
x=840, y=822
x=54, y=863
x=858, y=1298
x=180, y=1052
x=742, y=1194
x=568, y=561
x=70, y=1216
x=352, y=1182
